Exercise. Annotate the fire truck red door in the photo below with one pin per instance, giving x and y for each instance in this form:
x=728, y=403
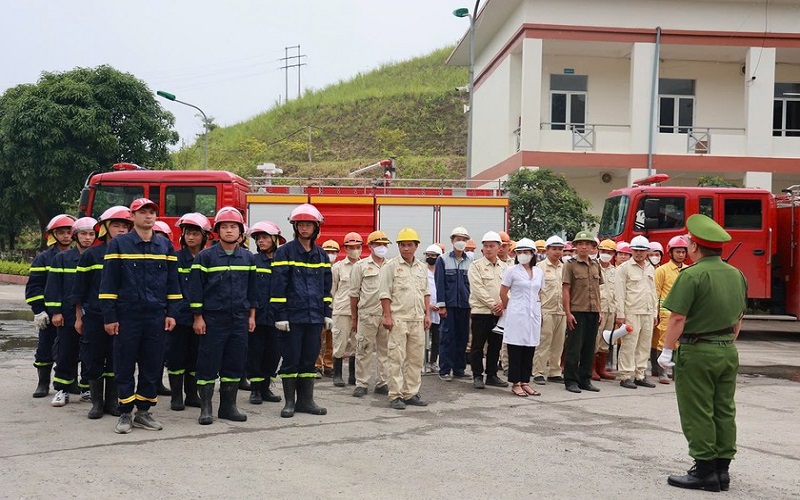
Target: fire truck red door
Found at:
x=744, y=217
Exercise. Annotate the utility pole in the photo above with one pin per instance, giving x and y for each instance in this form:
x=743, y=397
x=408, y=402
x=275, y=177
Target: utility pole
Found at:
x=292, y=61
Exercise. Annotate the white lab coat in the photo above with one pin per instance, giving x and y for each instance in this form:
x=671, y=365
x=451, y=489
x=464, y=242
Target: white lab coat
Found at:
x=524, y=312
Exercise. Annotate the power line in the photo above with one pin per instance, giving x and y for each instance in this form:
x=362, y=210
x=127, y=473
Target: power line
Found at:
x=296, y=64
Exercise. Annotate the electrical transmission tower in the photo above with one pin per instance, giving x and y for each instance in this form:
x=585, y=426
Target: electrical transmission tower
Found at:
x=292, y=61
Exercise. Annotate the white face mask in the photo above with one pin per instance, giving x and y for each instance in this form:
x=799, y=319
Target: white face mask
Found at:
x=606, y=257
x=655, y=260
x=354, y=254
x=460, y=245
x=380, y=251
x=524, y=258
x=332, y=256
x=470, y=254
x=566, y=258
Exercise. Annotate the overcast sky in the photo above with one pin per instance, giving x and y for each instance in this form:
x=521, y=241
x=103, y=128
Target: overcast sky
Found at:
x=222, y=56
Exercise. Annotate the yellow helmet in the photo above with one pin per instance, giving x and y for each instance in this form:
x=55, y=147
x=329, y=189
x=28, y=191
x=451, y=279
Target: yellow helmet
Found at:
x=607, y=245
x=330, y=246
x=407, y=234
x=378, y=237
x=540, y=245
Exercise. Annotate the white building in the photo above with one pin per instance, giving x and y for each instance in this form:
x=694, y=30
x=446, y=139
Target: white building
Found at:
x=569, y=85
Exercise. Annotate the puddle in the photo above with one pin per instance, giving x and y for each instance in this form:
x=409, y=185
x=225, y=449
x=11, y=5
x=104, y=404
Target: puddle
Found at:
x=22, y=314
x=783, y=372
x=10, y=343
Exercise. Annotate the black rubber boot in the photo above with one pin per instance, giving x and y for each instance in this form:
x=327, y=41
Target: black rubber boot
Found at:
x=655, y=369
x=206, y=394
x=96, y=389
x=163, y=390
x=43, y=387
x=289, y=390
x=267, y=394
x=227, y=402
x=110, y=404
x=255, y=393
x=190, y=388
x=305, y=398
x=176, y=388
x=337, y=372
x=244, y=384
x=351, y=369
x=702, y=476
x=722, y=465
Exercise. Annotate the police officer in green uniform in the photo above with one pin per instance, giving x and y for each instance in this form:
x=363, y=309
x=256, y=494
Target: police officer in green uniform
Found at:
x=707, y=303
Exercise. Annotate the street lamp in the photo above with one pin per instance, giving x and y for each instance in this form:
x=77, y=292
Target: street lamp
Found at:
x=171, y=97
x=464, y=12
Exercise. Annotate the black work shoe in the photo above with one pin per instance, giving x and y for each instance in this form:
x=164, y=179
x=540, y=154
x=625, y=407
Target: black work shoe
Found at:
x=627, y=383
x=415, y=400
x=555, y=379
x=360, y=392
x=644, y=383
x=722, y=465
x=539, y=380
x=588, y=387
x=702, y=476
x=573, y=387
x=477, y=383
x=398, y=404
x=461, y=375
x=495, y=381
x=382, y=389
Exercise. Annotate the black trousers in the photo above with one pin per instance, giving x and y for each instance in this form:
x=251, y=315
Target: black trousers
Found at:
x=520, y=363
x=482, y=334
x=433, y=355
x=580, y=348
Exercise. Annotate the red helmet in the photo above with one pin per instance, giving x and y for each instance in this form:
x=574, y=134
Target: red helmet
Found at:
x=162, y=227
x=84, y=224
x=568, y=246
x=229, y=214
x=677, y=242
x=353, y=239
x=269, y=228
x=140, y=203
x=59, y=221
x=624, y=247
x=306, y=212
x=194, y=219
x=118, y=212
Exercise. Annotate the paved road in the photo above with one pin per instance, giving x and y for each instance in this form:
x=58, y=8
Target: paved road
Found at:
x=618, y=443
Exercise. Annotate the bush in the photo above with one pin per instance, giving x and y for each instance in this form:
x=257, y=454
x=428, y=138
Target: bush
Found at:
x=17, y=268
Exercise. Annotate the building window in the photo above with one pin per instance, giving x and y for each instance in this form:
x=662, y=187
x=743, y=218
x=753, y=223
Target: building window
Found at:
x=676, y=105
x=786, y=110
x=568, y=101
x=742, y=214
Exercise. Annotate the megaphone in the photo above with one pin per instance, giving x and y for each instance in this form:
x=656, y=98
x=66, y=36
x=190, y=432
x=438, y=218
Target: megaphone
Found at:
x=499, y=328
x=612, y=336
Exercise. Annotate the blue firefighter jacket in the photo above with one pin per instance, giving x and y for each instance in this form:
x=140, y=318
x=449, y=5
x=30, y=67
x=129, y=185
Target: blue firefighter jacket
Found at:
x=452, y=282
x=263, y=289
x=86, y=289
x=301, y=284
x=58, y=297
x=37, y=279
x=185, y=260
x=221, y=282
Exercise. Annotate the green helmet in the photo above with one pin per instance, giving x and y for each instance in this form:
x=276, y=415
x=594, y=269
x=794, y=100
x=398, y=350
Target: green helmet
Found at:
x=584, y=236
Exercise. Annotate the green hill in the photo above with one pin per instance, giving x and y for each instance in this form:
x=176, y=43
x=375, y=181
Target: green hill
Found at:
x=409, y=110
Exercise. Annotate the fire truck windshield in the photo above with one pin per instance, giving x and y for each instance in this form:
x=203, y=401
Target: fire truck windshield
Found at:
x=106, y=197
x=612, y=223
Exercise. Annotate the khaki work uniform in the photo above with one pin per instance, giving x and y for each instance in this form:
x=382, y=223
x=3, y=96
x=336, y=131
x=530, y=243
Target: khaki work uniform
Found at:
x=608, y=304
x=344, y=338
x=406, y=286
x=635, y=291
x=665, y=278
x=371, y=336
x=547, y=358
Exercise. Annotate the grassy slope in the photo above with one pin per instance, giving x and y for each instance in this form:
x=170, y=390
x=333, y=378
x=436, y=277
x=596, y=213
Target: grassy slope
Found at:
x=409, y=110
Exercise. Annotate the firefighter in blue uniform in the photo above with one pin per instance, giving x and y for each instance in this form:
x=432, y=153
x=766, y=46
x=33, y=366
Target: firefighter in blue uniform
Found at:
x=139, y=291
x=183, y=343
x=301, y=304
x=262, y=344
x=59, y=238
x=60, y=303
x=222, y=296
x=96, y=345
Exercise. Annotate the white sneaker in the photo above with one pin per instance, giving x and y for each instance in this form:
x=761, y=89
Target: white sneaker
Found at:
x=86, y=396
x=60, y=399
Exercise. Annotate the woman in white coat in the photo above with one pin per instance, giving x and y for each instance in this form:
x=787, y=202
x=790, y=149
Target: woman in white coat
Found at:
x=519, y=292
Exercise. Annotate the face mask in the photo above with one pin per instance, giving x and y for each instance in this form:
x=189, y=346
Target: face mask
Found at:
x=524, y=258
x=431, y=260
x=606, y=257
x=470, y=254
x=332, y=256
x=460, y=245
x=655, y=260
x=593, y=256
x=354, y=254
x=380, y=251
x=566, y=258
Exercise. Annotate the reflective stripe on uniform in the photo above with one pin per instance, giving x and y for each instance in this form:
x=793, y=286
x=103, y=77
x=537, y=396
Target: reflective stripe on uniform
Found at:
x=176, y=372
x=174, y=296
x=112, y=296
x=327, y=299
x=312, y=265
x=306, y=375
x=230, y=379
x=195, y=305
x=288, y=375
x=142, y=398
x=264, y=270
x=147, y=256
x=217, y=269
x=52, y=304
x=34, y=298
x=95, y=267
x=277, y=299
x=184, y=270
x=39, y=269
x=62, y=270
x=127, y=400
x=63, y=381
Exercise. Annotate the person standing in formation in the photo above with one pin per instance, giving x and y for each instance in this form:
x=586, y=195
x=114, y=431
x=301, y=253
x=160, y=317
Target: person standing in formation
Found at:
x=431, y=254
x=608, y=308
x=452, y=295
x=547, y=359
x=344, y=338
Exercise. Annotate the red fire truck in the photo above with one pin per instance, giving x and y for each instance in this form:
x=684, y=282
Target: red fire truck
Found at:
x=764, y=230
x=361, y=205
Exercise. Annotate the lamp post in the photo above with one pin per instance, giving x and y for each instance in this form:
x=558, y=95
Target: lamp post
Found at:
x=171, y=97
x=464, y=12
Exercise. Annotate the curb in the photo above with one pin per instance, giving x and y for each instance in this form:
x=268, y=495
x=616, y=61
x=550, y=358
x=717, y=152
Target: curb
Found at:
x=13, y=279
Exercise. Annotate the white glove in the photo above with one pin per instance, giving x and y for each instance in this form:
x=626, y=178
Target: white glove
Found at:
x=282, y=326
x=328, y=324
x=41, y=320
x=665, y=360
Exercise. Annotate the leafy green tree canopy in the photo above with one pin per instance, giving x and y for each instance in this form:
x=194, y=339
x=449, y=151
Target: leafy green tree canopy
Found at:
x=542, y=204
x=55, y=133
x=714, y=181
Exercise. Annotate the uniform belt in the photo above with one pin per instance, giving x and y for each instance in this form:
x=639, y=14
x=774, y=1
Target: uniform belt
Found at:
x=702, y=338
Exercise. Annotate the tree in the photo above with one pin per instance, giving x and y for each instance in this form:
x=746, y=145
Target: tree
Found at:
x=55, y=133
x=542, y=204
x=714, y=181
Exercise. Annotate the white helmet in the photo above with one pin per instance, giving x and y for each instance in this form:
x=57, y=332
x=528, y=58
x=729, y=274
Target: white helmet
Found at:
x=459, y=231
x=526, y=244
x=640, y=243
x=492, y=236
x=435, y=249
x=553, y=241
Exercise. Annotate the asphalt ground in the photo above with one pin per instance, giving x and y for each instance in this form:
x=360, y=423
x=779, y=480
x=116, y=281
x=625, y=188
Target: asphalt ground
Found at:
x=618, y=443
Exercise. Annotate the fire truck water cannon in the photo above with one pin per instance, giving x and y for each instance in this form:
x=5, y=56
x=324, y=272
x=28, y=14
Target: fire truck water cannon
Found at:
x=389, y=169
